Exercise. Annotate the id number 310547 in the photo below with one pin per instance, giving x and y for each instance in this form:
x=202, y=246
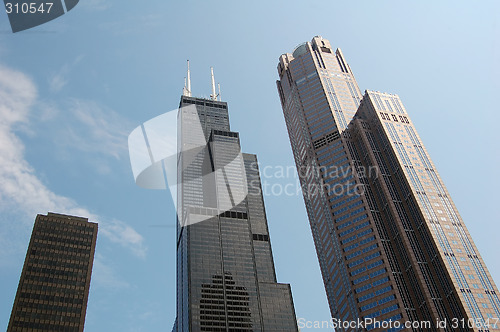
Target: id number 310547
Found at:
x=28, y=8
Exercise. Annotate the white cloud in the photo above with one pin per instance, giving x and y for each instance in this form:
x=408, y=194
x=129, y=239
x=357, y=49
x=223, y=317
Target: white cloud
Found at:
x=17, y=94
x=21, y=191
x=121, y=233
x=103, y=274
x=59, y=80
x=86, y=126
x=98, y=130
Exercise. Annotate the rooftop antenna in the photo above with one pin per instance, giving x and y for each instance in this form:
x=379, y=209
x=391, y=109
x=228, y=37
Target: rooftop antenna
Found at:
x=187, y=83
x=213, y=96
x=220, y=97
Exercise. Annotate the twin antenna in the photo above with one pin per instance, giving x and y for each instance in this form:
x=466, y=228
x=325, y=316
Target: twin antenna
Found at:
x=187, y=85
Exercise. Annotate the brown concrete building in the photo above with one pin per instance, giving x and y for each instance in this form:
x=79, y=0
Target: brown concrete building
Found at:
x=391, y=244
x=54, y=285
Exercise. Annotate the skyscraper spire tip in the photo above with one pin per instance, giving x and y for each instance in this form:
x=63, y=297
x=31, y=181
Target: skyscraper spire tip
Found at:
x=214, y=95
x=187, y=82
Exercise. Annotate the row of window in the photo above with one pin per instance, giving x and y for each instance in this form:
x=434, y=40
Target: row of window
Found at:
x=355, y=228
x=65, y=225
x=360, y=243
x=55, y=273
x=359, y=252
x=377, y=303
x=370, y=285
x=367, y=267
x=339, y=219
x=53, y=298
x=368, y=276
x=373, y=294
x=56, y=243
x=203, y=103
x=53, y=326
x=352, y=238
x=402, y=118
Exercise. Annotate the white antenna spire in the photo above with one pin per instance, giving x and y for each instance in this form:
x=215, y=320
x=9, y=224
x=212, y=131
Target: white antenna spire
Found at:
x=220, y=97
x=187, y=83
x=189, y=80
x=213, y=96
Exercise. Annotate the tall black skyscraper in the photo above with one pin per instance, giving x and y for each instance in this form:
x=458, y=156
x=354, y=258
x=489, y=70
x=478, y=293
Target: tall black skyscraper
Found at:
x=54, y=285
x=225, y=272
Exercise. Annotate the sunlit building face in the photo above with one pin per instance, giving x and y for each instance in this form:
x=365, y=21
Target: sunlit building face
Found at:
x=390, y=242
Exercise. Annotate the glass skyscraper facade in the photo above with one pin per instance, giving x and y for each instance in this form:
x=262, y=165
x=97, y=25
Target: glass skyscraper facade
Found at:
x=390, y=242
x=54, y=285
x=225, y=272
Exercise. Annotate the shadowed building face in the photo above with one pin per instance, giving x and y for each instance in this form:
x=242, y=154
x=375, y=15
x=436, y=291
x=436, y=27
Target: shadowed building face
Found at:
x=225, y=271
x=54, y=285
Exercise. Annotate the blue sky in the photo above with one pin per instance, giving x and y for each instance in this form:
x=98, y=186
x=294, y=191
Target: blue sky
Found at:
x=72, y=90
